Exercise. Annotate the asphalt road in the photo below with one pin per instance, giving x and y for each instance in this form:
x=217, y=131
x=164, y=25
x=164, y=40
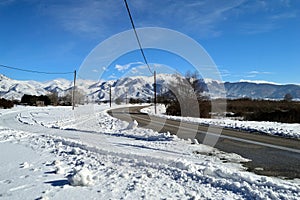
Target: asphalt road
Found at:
x=269, y=155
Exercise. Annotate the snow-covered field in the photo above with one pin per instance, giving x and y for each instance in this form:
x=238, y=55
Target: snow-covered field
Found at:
x=56, y=153
x=272, y=128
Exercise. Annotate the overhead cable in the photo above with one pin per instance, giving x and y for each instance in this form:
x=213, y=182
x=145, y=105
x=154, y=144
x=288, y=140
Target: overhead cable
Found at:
x=34, y=71
x=137, y=37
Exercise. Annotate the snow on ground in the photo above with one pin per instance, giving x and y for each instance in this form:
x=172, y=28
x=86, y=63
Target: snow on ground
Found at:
x=272, y=128
x=55, y=153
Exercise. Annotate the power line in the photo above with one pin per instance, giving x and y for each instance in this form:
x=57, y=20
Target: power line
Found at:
x=33, y=71
x=137, y=37
x=142, y=51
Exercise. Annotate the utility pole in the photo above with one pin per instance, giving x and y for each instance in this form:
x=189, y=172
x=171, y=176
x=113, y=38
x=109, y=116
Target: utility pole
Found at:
x=126, y=98
x=155, y=92
x=109, y=95
x=73, y=91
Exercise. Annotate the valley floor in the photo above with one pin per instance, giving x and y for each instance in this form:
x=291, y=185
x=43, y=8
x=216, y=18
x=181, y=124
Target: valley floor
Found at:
x=57, y=153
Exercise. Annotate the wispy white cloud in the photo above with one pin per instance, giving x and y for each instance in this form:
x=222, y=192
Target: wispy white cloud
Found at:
x=255, y=28
x=204, y=18
x=259, y=72
x=139, y=70
x=225, y=73
x=264, y=16
x=113, y=76
x=231, y=75
x=255, y=73
x=122, y=68
x=134, y=70
x=99, y=18
x=186, y=16
x=282, y=16
x=90, y=17
x=142, y=69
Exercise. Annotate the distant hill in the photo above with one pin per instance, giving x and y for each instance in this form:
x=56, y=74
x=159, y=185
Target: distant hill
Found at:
x=261, y=90
x=141, y=87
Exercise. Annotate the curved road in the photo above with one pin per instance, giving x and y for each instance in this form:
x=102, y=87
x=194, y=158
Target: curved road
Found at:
x=269, y=155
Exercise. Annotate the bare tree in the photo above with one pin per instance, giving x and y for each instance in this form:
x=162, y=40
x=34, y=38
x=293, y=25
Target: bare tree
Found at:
x=79, y=96
x=53, y=96
x=186, y=99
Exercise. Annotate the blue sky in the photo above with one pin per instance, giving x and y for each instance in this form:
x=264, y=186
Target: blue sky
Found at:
x=252, y=40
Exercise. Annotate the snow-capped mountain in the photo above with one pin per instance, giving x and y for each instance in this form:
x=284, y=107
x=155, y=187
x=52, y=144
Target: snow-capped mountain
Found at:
x=14, y=89
x=141, y=87
x=261, y=90
x=130, y=87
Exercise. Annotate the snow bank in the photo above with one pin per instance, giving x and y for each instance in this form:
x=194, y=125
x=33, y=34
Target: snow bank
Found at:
x=118, y=163
x=270, y=128
x=132, y=125
x=160, y=109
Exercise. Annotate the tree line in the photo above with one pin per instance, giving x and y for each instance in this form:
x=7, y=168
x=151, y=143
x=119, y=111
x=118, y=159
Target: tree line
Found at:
x=186, y=97
x=45, y=100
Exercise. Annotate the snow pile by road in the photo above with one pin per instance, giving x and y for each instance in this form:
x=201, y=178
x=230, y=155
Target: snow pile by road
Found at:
x=132, y=125
x=271, y=128
x=160, y=109
x=54, y=153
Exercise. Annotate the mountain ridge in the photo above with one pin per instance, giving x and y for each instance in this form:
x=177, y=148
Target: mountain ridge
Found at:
x=142, y=87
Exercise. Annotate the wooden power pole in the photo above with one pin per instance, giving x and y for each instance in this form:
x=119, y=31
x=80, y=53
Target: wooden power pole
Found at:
x=73, y=91
x=155, y=92
x=109, y=95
